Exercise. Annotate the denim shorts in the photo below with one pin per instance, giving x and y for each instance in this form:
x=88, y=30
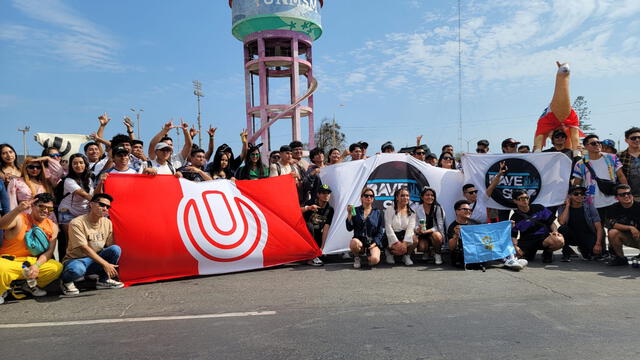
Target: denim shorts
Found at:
x=65, y=217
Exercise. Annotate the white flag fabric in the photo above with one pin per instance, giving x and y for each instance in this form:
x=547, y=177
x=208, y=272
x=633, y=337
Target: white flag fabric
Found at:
x=68, y=144
x=544, y=176
x=384, y=173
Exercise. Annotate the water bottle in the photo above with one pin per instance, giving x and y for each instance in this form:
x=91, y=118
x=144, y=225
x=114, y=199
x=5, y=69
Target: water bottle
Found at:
x=423, y=225
x=27, y=272
x=353, y=210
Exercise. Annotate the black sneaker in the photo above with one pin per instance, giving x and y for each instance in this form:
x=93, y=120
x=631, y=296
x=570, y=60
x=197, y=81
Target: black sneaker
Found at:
x=618, y=261
x=566, y=258
x=547, y=257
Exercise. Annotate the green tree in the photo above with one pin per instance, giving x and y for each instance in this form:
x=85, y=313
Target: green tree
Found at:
x=584, y=114
x=329, y=135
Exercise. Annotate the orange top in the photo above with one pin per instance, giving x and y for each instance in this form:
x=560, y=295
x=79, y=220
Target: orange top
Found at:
x=16, y=246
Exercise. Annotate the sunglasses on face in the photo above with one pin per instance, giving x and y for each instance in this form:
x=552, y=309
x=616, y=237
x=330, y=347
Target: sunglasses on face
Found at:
x=368, y=196
x=472, y=192
x=275, y=157
x=634, y=138
x=447, y=158
x=577, y=194
x=624, y=194
x=55, y=155
x=522, y=198
x=255, y=155
x=420, y=153
x=103, y=205
x=595, y=143
x=559, y=136
x=33, y=167
x=465, y=209
x=45, y=208
x=481, y=151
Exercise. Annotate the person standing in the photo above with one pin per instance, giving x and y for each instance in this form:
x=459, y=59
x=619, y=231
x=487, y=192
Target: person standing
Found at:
x=630, y=160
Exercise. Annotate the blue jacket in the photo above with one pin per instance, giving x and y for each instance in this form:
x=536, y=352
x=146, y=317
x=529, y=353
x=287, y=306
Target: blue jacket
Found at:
x=372, y=226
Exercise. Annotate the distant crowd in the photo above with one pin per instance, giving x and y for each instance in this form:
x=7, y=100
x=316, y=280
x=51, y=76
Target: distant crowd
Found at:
x=52, y=209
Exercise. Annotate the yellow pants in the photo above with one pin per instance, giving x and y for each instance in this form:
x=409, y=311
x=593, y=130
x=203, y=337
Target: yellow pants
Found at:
x=11, y=270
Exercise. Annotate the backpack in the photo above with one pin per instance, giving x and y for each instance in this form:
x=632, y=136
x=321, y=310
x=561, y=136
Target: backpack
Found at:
x=58, y=192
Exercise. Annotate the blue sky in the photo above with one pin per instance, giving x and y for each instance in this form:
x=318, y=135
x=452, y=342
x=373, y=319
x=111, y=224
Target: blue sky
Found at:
x=392, y=64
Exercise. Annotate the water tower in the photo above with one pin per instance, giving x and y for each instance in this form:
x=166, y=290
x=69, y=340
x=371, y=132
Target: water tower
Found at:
x=277, y=37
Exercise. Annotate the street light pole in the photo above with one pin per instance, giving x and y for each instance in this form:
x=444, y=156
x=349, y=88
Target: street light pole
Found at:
x=24, y=141
x=137, y=112
x=197, y=91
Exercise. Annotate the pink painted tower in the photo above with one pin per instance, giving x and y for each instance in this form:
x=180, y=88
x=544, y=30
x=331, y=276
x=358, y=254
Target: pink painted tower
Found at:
x=277, y=37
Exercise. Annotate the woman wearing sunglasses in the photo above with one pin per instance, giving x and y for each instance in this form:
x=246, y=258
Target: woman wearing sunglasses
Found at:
x=368, y=228
x=253, y=167
x=32, y=182
x=447, y=161
x=52, y=166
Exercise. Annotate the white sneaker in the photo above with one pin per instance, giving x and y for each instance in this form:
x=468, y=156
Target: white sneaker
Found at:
x=406, y=259
x=109, y=284
x=388, y=257
x=523, y=262
x=513, y=264
x=356, y=262
x=69, y=289
x=315, y=262
x=438, y=259
x=35, y=291
x=3, y=296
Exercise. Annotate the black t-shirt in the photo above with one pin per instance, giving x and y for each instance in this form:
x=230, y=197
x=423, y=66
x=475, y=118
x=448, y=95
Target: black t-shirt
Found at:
x=535, y=222
x=567, y=152
x=190, y=175
x=617, y=214
x=451, y=229
x=316, y=220
x=577, y=219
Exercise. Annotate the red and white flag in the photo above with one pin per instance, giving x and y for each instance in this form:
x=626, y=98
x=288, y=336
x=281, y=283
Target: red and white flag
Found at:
x=170, y=228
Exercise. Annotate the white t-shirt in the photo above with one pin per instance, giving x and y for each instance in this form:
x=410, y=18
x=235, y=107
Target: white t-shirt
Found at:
x=161, y=169
x=602, y=171
x=76, y=204
x=116, y=171
x=479, y=209
x=177, y=160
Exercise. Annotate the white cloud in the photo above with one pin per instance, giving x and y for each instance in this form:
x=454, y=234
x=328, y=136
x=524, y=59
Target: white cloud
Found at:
x=64, y=34
x=504, y=44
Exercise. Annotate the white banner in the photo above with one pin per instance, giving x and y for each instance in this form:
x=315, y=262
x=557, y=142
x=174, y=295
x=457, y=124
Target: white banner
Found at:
x=384, y=173
x=544, y=176
x=68, y=144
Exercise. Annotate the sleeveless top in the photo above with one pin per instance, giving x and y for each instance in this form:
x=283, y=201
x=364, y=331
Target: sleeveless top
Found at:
x=16, y=246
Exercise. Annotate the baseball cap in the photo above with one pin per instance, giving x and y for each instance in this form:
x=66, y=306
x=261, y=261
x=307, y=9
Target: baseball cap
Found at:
x=559, y=133
x=161, y=145
x=387, y=145
x=324, y=188
x=119, y=150
x=509, y=141
x=483, y=142
x=573, y=188
x=610, y=143
x=431, y=155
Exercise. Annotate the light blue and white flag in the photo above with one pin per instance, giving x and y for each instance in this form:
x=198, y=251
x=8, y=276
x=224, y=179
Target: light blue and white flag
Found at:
x=486, y=242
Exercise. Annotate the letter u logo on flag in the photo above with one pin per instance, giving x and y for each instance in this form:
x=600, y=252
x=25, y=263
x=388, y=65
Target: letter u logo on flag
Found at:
x=486, y=242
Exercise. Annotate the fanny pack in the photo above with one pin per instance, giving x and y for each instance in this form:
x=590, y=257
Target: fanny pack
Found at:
x=36, y=241
x=607, y=187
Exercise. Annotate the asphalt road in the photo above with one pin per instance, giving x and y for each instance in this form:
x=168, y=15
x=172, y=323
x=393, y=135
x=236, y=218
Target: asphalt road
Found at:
x=579, y=310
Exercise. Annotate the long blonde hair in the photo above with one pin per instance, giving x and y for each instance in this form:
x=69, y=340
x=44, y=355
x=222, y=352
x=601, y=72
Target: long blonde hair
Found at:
x=42, y=178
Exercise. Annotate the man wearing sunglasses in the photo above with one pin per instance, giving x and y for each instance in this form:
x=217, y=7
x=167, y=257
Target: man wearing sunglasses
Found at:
x=624, y=224
x=559, y=142
x=580, y=225
x=91, y=250
x=630, y=159
x=478, y=201
x=14, y=252
x=534, y=229
x=604, y=166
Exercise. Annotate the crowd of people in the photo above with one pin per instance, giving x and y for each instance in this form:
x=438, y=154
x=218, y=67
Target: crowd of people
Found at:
x=52, y=209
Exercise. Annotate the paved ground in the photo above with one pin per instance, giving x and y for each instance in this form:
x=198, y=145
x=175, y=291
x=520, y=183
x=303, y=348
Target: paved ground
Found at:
x=570, y=311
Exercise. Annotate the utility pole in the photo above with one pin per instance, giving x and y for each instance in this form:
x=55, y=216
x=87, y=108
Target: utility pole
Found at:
x=137, y=112
x=197, y=91
x=24, y=141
